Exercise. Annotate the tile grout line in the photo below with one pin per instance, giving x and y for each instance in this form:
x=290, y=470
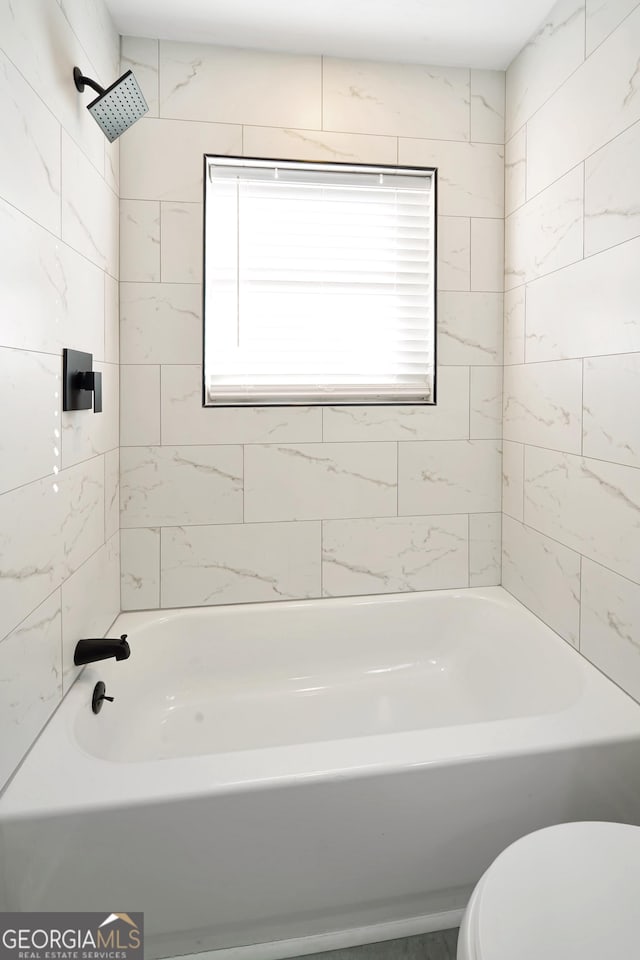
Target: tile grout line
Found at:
x=58, y=237
x=584, y=204
x=161, y=443
x=311, y=129
x=55, y=589
x=257, y=523
x=458, y=440
x=160, y=271
x=61, y=185
x=611, y=32
x=63, y=128
x=160, y=578
x=560, y=176
x=565, y=546
x=580, y=607
x=582, y=411
x=524, y=474
x=567, y=266
x=553, y=92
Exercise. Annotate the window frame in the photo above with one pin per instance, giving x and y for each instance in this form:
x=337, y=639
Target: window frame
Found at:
x=382, y=167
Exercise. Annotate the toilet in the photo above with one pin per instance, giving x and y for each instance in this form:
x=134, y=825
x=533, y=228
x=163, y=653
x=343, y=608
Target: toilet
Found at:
x=568, y=892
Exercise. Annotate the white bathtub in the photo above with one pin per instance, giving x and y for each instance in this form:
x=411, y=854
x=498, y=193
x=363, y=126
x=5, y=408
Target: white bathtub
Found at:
x=313, y=774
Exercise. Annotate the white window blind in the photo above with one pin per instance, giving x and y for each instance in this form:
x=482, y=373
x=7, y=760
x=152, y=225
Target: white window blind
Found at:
x=319, y=283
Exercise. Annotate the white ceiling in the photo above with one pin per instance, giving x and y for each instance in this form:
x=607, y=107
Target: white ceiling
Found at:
x=469, y=33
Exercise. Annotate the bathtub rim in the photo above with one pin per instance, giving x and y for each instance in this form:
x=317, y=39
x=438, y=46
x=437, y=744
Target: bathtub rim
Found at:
x=91, y=783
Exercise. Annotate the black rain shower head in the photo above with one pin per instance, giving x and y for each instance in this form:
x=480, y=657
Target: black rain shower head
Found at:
x=117, y=107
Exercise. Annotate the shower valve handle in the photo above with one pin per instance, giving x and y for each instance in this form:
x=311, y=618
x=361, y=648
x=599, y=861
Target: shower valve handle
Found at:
x=91, y=380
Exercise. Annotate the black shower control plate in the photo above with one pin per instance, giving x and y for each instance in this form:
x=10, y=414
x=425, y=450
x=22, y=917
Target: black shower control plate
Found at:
x=75, y=364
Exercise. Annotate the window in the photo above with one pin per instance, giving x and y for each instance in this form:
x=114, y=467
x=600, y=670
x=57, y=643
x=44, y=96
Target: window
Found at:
x=319, y=283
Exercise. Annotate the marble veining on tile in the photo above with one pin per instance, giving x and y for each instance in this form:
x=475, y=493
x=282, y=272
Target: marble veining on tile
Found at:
x=546, y=233
x=543, y=575
x=469, y=328
x=30, y=445
x=140, y=402
x=590, y=505
x=454, y=253
x=253, y=82
x=403, y=100
x=249, y=562
x=162, y=159
x=449, y=477
x=140, y=240
x=91, y=21
x=140, y=559
x=612, y=193
x=448, y=419
x=485, y=541
x=141, y=55
x=603, y=16
x=610, y=79
x=320, y=481
x=394, y=555
x=515, y=171
x=160, y=323
x=30, y=171
x=181, y=246
x=318, y=145
x=565, y=309
x=185, y=420
x=487, y=106
x=487, y=254
x=170, y=486
x=30, y=681
x=27, y=42
x=470, y=175
x=111, y=493
x=513, y=479
x=610, y=623
x=543, y=404
x=89, y=210
x=514, y=325
x=47, y=530
x=611, y=397
x=545, y=61
x=485, y=413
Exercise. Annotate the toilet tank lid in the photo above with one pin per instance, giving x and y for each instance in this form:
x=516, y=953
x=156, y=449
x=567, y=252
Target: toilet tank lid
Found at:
x=568, y=891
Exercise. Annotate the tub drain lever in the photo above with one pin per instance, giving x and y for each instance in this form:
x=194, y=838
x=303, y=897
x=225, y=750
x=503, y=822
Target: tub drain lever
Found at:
x=99, y=696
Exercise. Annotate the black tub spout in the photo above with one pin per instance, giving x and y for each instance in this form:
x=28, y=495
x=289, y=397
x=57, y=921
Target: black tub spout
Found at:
x=89, y=651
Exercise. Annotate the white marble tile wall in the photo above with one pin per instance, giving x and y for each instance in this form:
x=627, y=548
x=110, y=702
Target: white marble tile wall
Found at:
x=260, y=504
x=59, y=473
x=571, y=465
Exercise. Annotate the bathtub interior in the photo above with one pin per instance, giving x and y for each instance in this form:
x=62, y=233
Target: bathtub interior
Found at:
x=233, y=679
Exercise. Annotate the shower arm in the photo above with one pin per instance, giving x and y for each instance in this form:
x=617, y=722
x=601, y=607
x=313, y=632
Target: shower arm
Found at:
x=81, y=81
